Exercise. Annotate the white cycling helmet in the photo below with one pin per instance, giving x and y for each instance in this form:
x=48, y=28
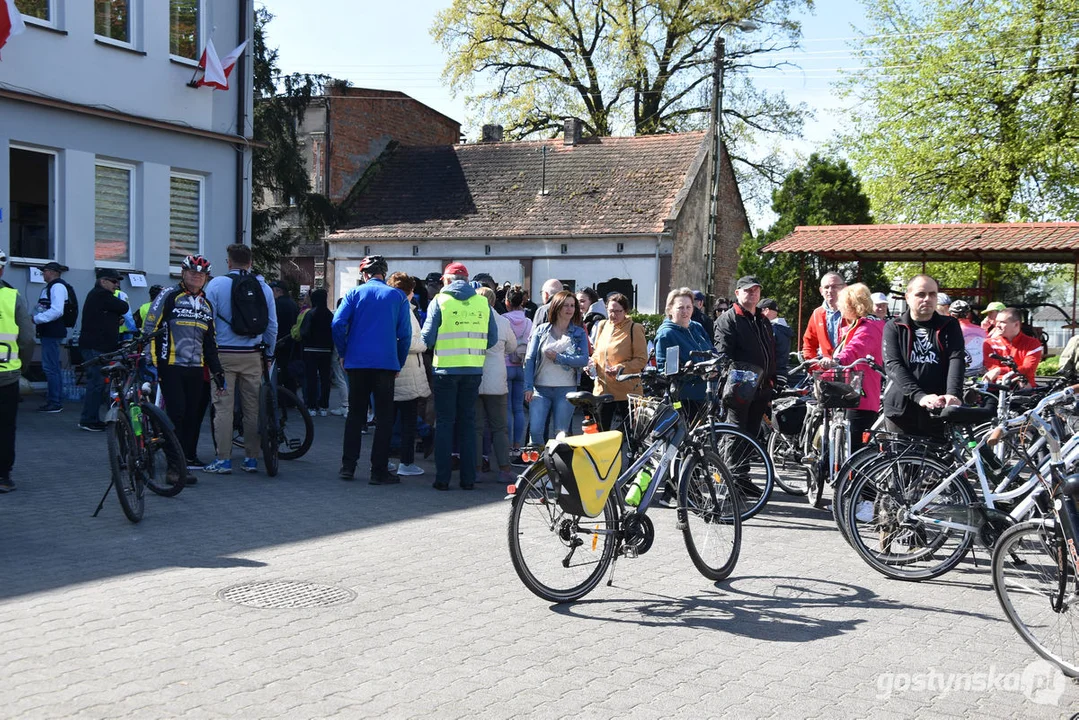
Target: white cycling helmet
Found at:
x=3, y=259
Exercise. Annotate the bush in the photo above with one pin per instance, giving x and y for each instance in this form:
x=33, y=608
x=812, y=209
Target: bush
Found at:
x=1048, y=366
x=651, y=323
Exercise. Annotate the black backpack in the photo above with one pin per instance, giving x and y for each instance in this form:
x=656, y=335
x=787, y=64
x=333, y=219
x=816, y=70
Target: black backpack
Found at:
x=71, y=305
x=250, y=313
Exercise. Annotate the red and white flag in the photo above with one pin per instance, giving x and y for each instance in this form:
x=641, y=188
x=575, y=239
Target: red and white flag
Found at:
x=10, y=21
x=216, y=71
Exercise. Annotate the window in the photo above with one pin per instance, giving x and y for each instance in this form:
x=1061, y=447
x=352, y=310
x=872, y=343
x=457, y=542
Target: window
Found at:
x=40, y=9
x=184, y=28
x=185, y=218
x=32, y=182
x=112, y=212
x=112, y=19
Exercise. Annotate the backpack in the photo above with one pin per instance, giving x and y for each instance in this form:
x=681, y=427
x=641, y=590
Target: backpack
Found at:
x=517, y=357
x=250, y=313
x=71, y=305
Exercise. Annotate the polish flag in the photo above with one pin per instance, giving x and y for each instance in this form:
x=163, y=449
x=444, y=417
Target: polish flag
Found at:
x=216, y=71
x=10, y=21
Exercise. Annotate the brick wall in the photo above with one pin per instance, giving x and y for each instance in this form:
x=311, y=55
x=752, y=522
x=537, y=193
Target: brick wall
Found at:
x=363, y=121
x=731, y=226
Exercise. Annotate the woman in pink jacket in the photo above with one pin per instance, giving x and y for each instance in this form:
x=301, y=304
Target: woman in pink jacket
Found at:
x=861, y=335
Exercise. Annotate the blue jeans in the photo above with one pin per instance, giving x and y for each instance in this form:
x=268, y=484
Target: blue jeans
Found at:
x=549, y=400
x=50, y=363
x=515, y=378
x=455, y=412
x=95, y=390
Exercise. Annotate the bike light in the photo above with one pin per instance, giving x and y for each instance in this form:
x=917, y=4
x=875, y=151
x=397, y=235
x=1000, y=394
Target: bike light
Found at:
x=511, y=489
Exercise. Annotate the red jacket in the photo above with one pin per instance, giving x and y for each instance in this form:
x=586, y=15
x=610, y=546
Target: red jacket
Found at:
x=816, y=336
x=1025, y=350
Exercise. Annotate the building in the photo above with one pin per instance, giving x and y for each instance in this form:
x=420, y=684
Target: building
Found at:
x=109, y=158
x=615, y=213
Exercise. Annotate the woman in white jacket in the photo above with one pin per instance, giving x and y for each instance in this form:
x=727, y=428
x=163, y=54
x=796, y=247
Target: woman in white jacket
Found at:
x=410, y=385
x=491, y=404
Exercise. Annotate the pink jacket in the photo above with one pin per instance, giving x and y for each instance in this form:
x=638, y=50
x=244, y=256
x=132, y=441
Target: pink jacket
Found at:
x=864, y=338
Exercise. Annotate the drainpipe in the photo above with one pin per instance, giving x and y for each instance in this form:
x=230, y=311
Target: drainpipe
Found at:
x=656, y=306
x=241, y=123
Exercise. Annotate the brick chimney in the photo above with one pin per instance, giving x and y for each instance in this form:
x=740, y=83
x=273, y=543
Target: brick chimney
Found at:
x=491, y=133
x=571, y=131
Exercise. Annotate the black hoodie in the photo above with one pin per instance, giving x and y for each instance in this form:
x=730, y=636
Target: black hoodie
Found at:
x=921, y=359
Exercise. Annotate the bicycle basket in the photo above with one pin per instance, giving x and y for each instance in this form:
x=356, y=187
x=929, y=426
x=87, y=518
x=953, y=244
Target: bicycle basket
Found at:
x=790, y=416
x=650, y=417
x=835, y=389
x=583, y=469
x=741, y=384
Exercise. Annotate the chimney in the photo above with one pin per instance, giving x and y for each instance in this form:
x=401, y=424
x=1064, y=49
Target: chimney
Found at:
x=491, y=133
x=571, y=127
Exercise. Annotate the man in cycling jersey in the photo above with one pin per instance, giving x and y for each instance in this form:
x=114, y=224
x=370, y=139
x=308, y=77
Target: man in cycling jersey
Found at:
x=973, y=337
x=1012, y=343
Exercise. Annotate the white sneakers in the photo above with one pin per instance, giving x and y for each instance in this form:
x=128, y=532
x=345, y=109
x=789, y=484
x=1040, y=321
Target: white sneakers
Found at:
x=864, y=511
x=340, y=412
x=404, y=469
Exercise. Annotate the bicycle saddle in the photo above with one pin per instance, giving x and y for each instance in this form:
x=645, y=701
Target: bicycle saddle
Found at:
x=964, y=415
x=584, y=399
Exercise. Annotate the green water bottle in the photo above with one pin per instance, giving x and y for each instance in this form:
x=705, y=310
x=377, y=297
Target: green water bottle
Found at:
x=136, y=419
x=638, y=487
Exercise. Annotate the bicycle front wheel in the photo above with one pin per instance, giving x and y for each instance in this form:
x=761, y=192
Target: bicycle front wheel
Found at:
x=165, y=461
x=123, y=463
x=559, y=557
x=1035, y=585
x=749, y=466
x=295, y=429
x=712, y=529
x=269, y=430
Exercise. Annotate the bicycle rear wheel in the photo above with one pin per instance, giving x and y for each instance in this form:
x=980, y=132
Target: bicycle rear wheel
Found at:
x=269, y=430
x=559, y=557
x=707, y=498
x=165, y=461
x=790, y=473
x=123, y=463
x=749, y=466
x=1036, y=588
x=295, y=429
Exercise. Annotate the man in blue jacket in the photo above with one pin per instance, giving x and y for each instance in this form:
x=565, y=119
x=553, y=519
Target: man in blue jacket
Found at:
x=372, y=332
x=459, y=327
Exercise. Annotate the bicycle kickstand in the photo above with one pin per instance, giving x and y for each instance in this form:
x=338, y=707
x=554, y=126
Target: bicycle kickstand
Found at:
x=102, y=503
x=614, y=561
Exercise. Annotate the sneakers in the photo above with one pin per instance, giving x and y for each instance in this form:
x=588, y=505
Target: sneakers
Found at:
x=864, y=511
x=219, y=467
x=346, y=472
x=340, y=412
x=323, y=412
x=47, y=408
x=6, y=484
x=408, y=470
x=383, y=478
x=195, y=464
x=250, y=465
x=312, y=413
x=92, y=426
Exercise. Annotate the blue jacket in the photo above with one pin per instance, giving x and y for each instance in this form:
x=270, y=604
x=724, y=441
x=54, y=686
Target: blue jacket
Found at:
x=576, y=359
x=219, y=292
x=371, y=328
x=460, y=290
x=693, y=338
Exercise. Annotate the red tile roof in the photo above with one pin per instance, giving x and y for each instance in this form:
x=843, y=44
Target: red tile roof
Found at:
x=1034, y=242
x=603, y=186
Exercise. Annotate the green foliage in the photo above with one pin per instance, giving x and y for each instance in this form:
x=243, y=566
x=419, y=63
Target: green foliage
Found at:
x=824, y=192
x=965, y=110
x=651, y=322
x=1048, y=366
x=1011, y=283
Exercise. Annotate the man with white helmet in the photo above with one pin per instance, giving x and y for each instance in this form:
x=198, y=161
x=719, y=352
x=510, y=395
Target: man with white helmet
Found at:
x=880, y=305
x=944, y=304
x=16, y=351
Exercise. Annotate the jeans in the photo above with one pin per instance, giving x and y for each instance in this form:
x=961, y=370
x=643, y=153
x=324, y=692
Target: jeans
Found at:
x=363, y=384
x=455, y=411
x=317, y=390
x=50, y=363
x=548, y=400
x=95, y=390
x=338, y=378
x=515, y=378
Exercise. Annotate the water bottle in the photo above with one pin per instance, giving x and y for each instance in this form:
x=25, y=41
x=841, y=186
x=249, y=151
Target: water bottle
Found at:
x=136, y=419
x=638, y=487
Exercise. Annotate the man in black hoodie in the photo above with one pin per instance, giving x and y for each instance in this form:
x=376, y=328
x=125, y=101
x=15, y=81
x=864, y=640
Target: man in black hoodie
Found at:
x=924, y=359
x=102, y=313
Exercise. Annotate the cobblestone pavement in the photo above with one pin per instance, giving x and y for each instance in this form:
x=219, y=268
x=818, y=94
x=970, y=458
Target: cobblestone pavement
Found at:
x=102, y=618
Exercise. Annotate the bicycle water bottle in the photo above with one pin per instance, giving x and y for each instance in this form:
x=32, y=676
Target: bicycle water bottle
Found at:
x=136, y=419
x=992, y=462
x=638, y=487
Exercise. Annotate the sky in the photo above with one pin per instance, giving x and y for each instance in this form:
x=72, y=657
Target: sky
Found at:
x=388, y=45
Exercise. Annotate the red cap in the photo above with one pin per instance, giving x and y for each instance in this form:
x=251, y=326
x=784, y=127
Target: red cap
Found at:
x=456, y=268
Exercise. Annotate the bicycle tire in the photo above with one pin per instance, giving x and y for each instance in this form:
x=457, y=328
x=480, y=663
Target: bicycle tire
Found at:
x=1040, y=580
x=712, y=530
x=120, y=440
x=736, y=449
x=845, y=481
x=534, y=505
x=815, y=479
x=796, y=488
x=269, y=437
x=291, y=412
x=161, y=443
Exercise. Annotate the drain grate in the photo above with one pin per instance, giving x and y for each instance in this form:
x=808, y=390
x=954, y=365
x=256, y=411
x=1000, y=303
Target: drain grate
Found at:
x=286, y=594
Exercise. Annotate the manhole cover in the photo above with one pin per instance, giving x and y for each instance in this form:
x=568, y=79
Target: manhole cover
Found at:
x=286, y=594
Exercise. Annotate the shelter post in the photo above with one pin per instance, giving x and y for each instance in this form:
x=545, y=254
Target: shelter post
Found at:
x=1075, y=281
x=801, y=288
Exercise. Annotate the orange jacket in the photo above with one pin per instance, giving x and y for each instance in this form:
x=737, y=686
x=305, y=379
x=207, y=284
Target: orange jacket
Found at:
x=816, y=336
x=1025, y=350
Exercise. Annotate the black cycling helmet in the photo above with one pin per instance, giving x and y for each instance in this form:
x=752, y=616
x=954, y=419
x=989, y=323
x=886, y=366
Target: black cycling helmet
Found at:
x=374, y=265
x=155, y=290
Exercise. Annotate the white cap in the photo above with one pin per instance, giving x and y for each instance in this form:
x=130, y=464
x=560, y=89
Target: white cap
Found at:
x=943, y=299
x=879, y=298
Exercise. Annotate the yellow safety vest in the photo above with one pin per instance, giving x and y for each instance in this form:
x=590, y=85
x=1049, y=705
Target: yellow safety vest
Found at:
x=9, y=331
x=143, y=309
x=124, y=329
x=462, y=335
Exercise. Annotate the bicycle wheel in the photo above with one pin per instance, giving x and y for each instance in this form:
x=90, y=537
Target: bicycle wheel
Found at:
x=707, y=498
x=1037, y=590
x=295, y=429
x=269, y=432
x=559, y=557
x=892, y=543
x=164, y=456
x=845, y=482
x=123, y=463
x=748, y=463
x=790, y=474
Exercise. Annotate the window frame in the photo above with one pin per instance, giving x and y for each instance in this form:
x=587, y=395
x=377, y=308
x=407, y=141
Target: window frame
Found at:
x=132, y=43
x=131, y=169
x=200, y=35
x=53, y=21
x=54, y=200
x=201, y=179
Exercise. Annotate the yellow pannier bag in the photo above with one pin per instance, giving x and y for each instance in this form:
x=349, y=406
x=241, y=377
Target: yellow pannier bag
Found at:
x=584, y=469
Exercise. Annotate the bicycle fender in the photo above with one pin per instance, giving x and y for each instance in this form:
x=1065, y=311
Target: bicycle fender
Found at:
x=113, y=414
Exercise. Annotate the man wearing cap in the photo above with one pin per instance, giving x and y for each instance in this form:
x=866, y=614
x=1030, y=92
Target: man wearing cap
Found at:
x=973, y=337
x=822, y=333
x=989, y=322
x=944, y=305
x=880, y=305
x=781, y=332
x=460, y=327
x=16, y=352
x=700, y=316
x=372, y=330
x=102, y=313
x=49, y=319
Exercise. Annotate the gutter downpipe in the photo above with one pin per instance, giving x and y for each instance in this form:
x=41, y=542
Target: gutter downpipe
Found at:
x=241, y=129
x=659, y=239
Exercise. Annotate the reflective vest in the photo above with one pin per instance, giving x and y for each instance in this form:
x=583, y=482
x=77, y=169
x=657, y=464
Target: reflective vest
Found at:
x=124, y=327
x=9, y=331
x=462, y=335
x=143, y=309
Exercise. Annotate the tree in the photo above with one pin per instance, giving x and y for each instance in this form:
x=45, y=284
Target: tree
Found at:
x=965, y=110
x=824, y=192
x=643, y=66
x=284, y=210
